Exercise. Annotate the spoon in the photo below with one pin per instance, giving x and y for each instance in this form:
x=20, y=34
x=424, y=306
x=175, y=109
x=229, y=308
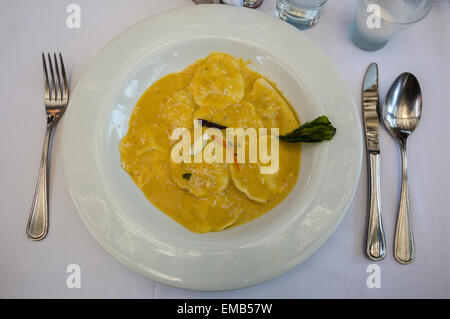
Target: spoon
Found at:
x=401, y=114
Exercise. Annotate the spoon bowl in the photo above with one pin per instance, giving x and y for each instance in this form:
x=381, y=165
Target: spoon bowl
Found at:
x=401, y=114
x=403, y=106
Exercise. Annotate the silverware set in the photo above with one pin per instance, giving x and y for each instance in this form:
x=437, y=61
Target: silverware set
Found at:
x=401, y=114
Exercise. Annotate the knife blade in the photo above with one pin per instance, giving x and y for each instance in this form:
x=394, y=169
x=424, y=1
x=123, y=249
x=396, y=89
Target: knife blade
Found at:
x=375, y=241
x=370, y=108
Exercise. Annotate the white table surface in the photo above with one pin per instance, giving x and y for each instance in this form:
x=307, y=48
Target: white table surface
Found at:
x=337, y=270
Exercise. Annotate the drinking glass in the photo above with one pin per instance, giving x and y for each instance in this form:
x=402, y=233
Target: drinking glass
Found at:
x=376, y=21
x=302, y=14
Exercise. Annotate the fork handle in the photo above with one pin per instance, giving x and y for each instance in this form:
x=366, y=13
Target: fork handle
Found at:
x=38, y=221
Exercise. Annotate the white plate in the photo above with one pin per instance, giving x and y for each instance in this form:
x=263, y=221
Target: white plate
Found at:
x=146, y=240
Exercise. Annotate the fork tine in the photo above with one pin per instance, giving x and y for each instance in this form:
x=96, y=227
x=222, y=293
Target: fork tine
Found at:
x=46, y=85
x=59, y=93
x=63, y=71
x=53, y=88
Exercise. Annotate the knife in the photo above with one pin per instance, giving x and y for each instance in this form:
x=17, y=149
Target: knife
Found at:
x=375, y=242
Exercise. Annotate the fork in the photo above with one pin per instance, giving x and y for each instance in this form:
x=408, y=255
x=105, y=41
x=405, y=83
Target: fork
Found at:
x=56, y=99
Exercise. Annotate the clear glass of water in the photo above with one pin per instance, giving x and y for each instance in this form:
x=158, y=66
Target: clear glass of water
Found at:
x=376, y=21
x=302, y=14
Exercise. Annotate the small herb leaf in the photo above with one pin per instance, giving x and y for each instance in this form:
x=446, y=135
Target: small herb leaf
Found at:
x=187, y=176
x=315, y=131
x=206, y=123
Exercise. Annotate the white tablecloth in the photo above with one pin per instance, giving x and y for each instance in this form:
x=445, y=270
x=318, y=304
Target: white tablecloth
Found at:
x=338, y=269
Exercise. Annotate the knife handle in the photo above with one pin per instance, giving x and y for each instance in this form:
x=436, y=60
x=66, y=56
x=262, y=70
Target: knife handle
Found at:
x=376, y=242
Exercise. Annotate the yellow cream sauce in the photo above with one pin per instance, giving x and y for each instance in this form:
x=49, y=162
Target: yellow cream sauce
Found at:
x=223, y=90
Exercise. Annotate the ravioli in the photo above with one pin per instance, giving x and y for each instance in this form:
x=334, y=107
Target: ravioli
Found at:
x=272, y=107
x=178, y=110
x=144, y=154
x=218, y=81
x=200, y=179
x=210, y=197
x=213, y=213
x=249, y=179
x=231, y=116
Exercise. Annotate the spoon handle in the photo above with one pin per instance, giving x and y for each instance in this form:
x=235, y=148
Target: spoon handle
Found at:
x=404, y=250
x=376, y=242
